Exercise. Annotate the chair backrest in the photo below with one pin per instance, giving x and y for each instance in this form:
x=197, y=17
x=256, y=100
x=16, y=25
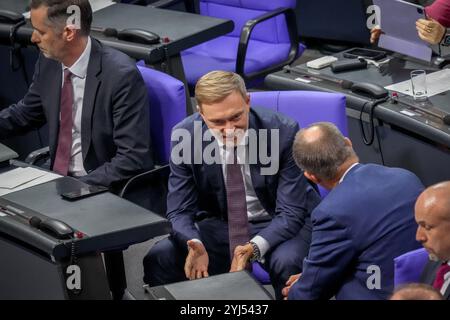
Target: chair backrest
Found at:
x=409, y=266
x=272, y=30
x=167, y=108
x=306, y=107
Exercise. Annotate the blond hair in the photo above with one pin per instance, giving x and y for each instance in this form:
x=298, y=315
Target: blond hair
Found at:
x=217, y=85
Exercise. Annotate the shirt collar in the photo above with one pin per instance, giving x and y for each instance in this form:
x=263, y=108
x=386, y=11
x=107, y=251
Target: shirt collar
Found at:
x=347, y=171
x=79, y=68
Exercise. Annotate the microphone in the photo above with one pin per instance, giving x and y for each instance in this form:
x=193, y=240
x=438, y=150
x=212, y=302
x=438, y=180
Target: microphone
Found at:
x=344, y=84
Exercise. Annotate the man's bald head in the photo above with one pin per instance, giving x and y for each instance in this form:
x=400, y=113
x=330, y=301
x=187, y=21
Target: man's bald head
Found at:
x=416, y=291
x=432, y=213
x=321, y=149
x=436, y=198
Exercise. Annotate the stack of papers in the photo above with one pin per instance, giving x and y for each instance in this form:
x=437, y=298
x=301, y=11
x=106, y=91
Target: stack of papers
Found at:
x=22, y=178
x=437, y=82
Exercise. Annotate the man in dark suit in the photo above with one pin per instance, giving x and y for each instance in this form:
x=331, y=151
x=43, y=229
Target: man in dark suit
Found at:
x=92, y=97
x=433, y=218
x=360, y=226
x=216, y=204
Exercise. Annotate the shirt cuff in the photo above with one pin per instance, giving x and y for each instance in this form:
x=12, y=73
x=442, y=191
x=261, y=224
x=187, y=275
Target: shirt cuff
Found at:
x=195, y=240
x=262, y=244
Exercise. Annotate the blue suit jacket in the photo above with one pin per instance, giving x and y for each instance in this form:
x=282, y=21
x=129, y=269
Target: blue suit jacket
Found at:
x=367, y=220
x=198, y=190
x=115, y=124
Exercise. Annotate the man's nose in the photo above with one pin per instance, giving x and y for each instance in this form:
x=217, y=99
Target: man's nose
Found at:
x=34, y=37
x=420, y=235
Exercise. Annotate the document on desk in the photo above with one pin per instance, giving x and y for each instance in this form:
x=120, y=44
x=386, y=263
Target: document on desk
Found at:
x=22, y=178
x=437, y=82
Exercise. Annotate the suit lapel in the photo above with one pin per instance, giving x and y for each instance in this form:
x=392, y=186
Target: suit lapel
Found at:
x=258, y=180
x=90, y=92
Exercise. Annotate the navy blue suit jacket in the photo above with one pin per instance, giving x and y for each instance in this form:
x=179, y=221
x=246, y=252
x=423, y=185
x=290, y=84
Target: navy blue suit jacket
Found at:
x=198, y=190
x=367, y=220
x=115, y=124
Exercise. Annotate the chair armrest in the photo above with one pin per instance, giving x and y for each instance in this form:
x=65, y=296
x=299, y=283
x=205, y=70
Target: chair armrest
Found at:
x=247, y=29
x=38, y=155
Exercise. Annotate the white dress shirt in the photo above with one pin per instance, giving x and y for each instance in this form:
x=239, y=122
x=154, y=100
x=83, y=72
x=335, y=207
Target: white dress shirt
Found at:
x=446, y=281
x=255, y=211
x=347, y=171
x=79, y=72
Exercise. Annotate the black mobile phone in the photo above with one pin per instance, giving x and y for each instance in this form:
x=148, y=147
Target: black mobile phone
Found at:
x=83, y=192
x=364, y=53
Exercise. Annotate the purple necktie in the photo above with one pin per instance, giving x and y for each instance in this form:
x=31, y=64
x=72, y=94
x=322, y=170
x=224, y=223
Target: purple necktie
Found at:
x=238, y=232
x=63, y=151
x=441, y=272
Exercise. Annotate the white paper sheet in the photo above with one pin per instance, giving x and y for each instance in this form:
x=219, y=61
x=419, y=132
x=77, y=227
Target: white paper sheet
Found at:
x=22, y=178
x=437, y=82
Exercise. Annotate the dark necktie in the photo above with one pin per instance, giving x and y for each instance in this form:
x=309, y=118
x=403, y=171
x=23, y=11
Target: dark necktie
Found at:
x=63, y=151
x=238, y=231
x=441, y=272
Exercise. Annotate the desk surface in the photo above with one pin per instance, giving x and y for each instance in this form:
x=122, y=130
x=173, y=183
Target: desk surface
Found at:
x=396, y=71
x=184, y=30
x=107, y=220
x=19, y=6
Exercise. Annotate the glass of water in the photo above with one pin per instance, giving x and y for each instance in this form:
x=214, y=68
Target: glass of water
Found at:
x=419, y=84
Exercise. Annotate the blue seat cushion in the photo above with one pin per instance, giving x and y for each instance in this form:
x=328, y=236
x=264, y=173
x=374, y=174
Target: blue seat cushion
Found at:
x=220, y=54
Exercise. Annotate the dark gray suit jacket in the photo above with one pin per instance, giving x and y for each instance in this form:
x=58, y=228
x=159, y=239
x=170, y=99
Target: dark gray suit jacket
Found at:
x=429, y=274
x=115, y=129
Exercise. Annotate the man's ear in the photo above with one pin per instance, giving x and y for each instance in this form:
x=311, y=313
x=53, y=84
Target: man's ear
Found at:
x=70, y=32
x=311, y=177
x=348, y=142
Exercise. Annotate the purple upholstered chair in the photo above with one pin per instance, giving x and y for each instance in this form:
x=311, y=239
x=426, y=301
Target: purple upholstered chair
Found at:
x=167, y=108
x=306, y=107
x=264, y=39
x=409, y=266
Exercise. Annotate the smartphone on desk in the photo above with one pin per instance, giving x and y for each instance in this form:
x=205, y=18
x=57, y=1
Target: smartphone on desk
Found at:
x=83, y=192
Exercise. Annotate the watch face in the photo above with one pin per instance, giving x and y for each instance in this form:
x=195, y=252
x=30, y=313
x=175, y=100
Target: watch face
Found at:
x=446, y=41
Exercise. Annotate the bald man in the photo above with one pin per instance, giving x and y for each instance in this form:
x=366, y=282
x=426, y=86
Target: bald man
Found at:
x=359, y=227
x=416, y=291
x=432, y=213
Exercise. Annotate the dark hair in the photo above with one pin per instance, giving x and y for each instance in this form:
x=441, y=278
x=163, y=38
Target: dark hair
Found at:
x=57, y=12
x=323, y=155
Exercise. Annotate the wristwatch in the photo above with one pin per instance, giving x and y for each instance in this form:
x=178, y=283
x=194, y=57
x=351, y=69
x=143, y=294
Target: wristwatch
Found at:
x=446, y=40
x=256, y=253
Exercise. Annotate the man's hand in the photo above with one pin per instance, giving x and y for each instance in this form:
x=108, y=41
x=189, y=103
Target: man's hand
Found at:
x=375, y=33
x=292, y=279
x=430, y=31
x=242, y=255
x=196, y=265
